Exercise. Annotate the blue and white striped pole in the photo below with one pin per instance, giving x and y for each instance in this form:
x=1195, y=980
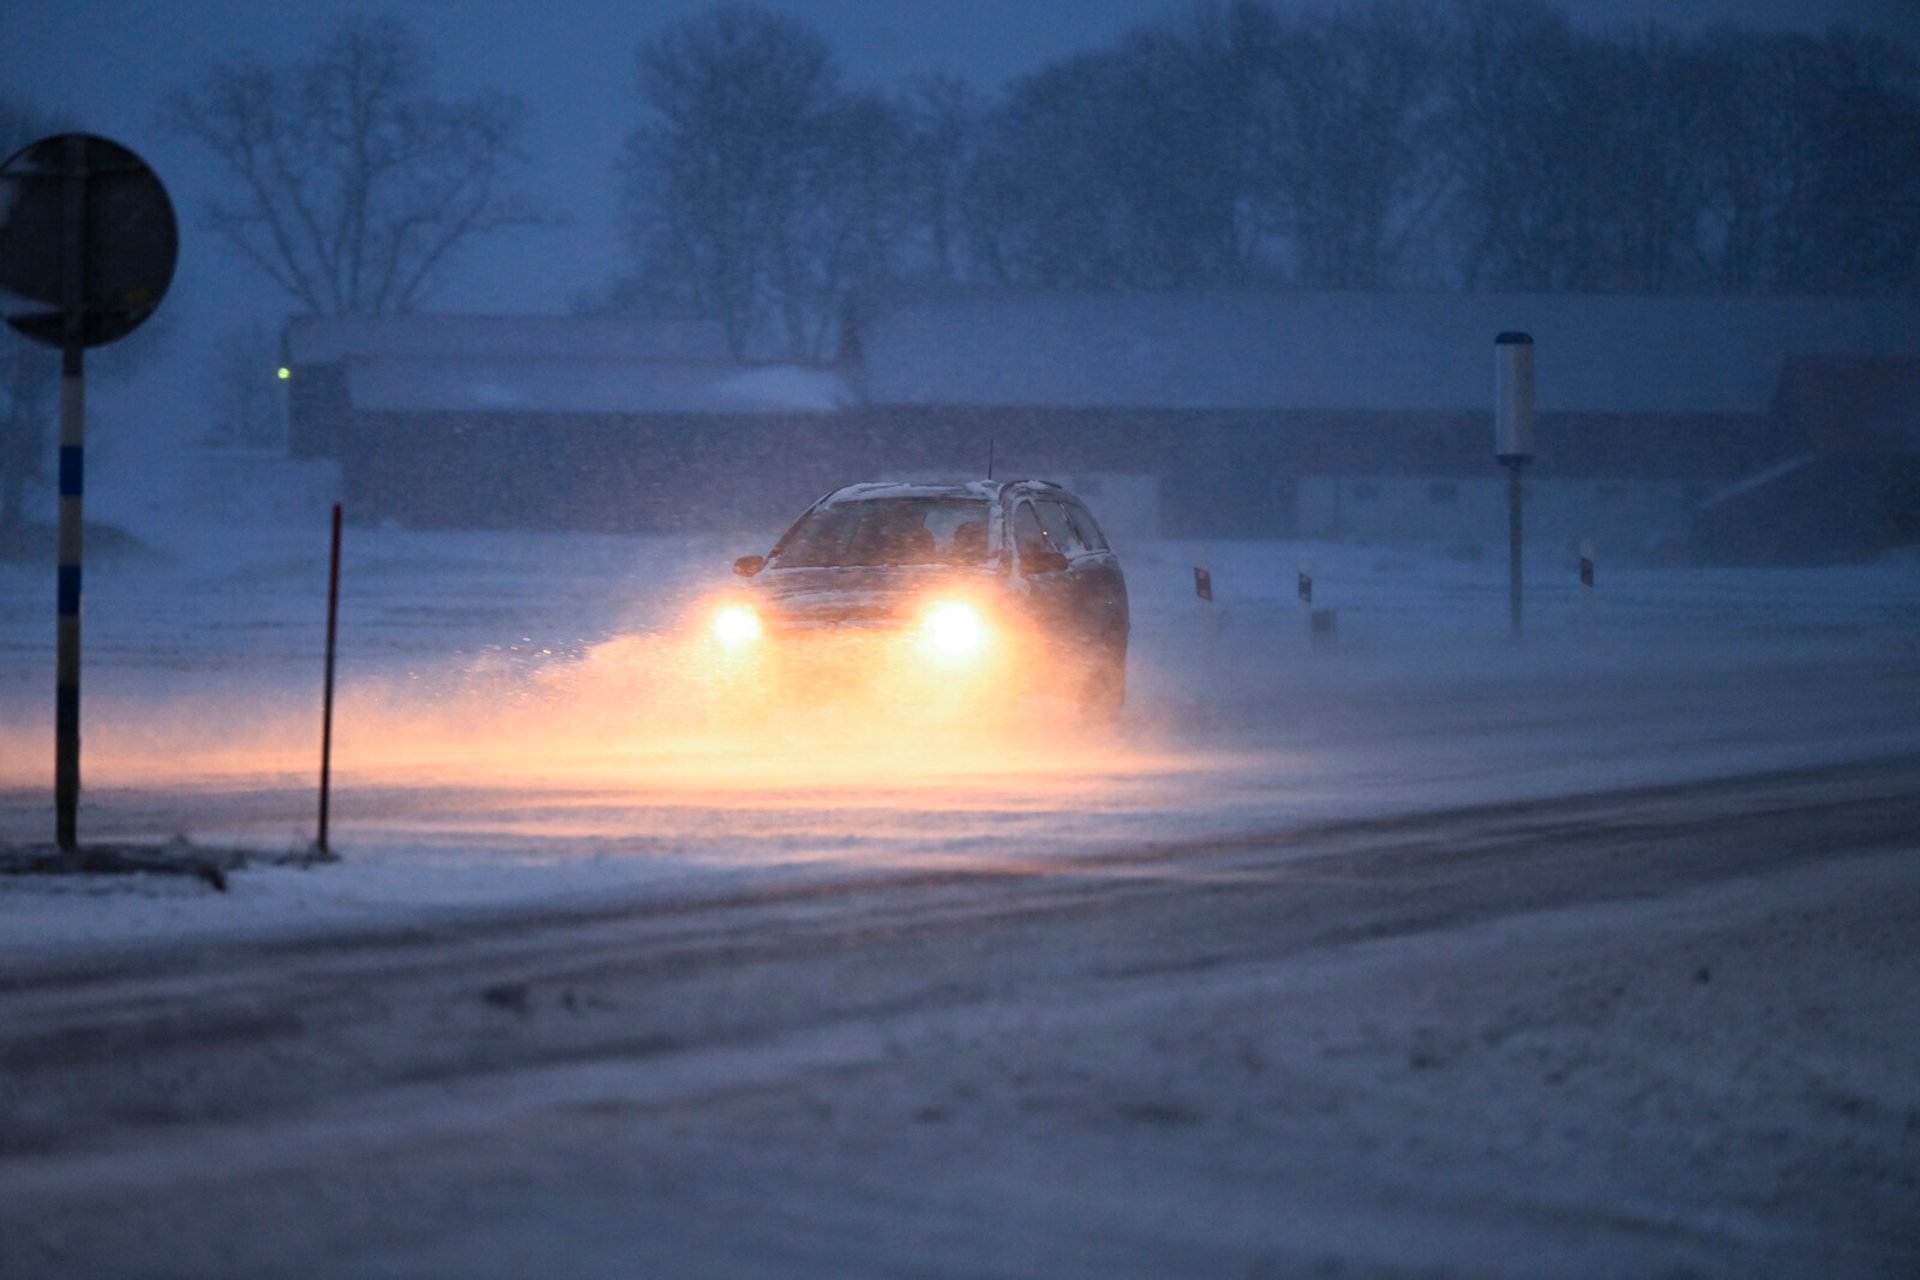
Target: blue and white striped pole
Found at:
x=66, y=766
x=66, y=772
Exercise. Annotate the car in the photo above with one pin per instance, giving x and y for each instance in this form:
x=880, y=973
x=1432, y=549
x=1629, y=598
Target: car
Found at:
x=941, y=592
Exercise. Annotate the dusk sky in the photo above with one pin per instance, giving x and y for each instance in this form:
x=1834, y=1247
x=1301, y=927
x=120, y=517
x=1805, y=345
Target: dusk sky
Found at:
x=106, y=64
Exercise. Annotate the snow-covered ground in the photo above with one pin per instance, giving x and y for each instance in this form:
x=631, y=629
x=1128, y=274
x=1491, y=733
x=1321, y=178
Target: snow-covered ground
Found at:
x=1418, y=951
x=524, y=715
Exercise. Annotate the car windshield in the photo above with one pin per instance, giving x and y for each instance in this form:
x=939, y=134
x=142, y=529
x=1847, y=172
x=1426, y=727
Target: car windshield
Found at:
x=878, y=531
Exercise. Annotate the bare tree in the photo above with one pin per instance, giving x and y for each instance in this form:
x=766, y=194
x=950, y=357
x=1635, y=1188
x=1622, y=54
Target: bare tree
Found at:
x=758, y=189
x=1811, y=157
x=849, y=225
x=941, y=118
x=1576, y=156
x=1354, y=98
x=1758, y=156
x=1228, y=146
x=1643, y=196
x=1515, y=148
x=1042, y=195
x=1863, y=223
x=1130, y=166
x=352, y=190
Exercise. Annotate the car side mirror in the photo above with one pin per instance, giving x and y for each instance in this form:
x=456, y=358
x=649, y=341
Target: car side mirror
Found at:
x=747, y=566
x=1042, y=562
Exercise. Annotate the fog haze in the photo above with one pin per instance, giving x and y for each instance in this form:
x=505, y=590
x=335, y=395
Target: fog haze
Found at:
x=1275, y=823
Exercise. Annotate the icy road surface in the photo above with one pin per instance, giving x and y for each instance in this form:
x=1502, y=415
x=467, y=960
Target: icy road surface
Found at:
x=1419, y=955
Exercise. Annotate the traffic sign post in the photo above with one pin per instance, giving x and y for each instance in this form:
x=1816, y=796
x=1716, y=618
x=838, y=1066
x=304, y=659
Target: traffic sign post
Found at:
x=73, y=439
x=88, y=244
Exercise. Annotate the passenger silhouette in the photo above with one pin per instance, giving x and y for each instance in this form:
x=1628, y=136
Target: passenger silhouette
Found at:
x=970, y=541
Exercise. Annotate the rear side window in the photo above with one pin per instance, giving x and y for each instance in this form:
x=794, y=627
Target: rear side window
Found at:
x=1089, y=531
x=1028, y=531
x=1062, y=532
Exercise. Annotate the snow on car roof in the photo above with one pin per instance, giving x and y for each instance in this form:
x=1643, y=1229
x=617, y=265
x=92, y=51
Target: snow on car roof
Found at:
x=984, y=490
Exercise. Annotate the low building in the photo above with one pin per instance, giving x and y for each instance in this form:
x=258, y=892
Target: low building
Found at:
x=1850, y=483
x=1354, y=415
x=1366, y=416
x=607, y=423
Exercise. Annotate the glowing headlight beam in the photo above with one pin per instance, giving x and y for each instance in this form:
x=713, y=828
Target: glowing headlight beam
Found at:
x=736, y=625
x=955, y=629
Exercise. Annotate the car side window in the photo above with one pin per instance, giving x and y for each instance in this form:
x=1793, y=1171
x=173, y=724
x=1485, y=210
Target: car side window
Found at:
x=1060, y=528
x=1089, y=529
x=1029, y=532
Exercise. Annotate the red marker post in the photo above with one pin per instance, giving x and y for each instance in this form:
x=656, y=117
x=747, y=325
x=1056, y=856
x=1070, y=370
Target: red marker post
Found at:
x=326, y=716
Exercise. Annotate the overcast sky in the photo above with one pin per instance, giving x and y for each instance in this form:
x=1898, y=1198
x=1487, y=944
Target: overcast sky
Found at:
x=105, y=64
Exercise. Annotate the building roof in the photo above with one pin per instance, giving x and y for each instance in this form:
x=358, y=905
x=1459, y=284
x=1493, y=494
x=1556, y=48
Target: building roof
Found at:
x=1852, y=404
x=1355, y=351
x=496, y=384
x=551, y=364
x=1223, y=350
x=329, y=339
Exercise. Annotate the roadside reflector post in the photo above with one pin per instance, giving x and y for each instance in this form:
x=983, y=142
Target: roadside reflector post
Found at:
x=1203, y=592
x=1586, y=585
x=1323, y=625
x=326, y=714
x=1513, y=446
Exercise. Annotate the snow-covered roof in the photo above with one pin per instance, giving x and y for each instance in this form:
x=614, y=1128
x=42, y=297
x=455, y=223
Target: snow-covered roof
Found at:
x=1356, y=351
x=500, y=385
x=327, y=339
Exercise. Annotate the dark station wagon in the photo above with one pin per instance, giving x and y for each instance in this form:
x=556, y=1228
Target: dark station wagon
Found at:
x=998, y=583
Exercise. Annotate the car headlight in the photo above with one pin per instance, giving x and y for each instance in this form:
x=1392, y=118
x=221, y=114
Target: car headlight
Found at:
x=955, y=629
x=736, y=624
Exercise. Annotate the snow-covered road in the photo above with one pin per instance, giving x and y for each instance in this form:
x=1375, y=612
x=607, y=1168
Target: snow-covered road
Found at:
x=1664, y=1031
x=1422, y=953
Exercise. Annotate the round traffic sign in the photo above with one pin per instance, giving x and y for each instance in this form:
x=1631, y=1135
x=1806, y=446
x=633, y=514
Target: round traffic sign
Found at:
x=85, y=225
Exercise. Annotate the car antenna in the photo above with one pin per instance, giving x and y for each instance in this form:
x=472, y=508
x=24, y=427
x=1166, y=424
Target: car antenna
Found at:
x=989, y=457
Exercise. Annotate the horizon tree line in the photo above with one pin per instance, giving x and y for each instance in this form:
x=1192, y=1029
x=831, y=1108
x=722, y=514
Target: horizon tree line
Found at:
x=1487, y=145
x=1484, y=145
